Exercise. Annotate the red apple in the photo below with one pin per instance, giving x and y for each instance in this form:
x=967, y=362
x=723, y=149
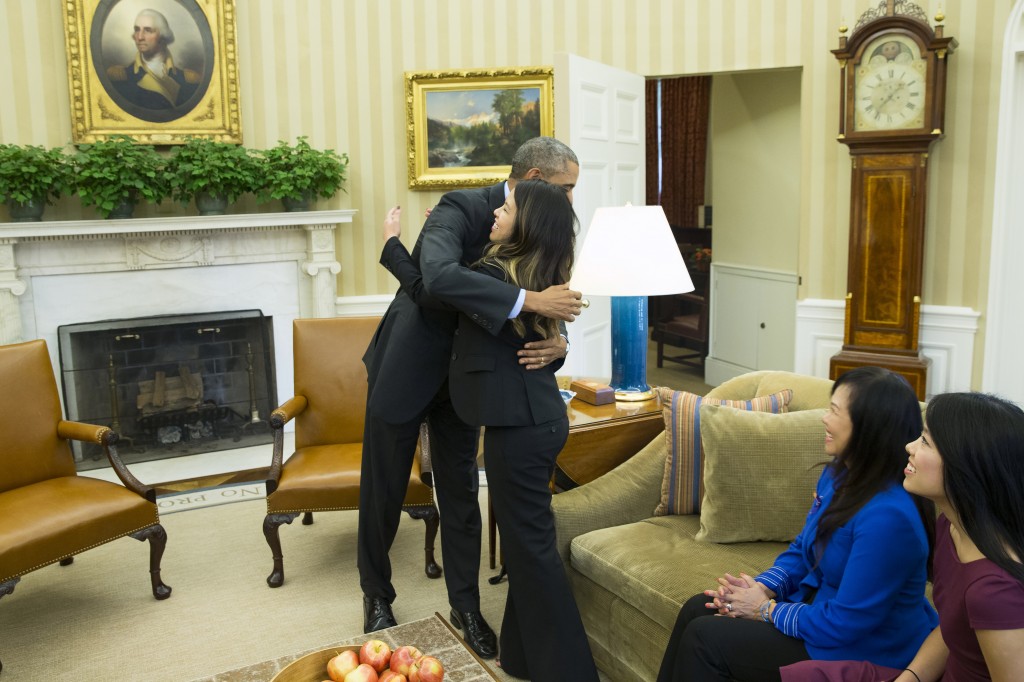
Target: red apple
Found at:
x=427, y=669
x=376, y=654
x=342, y=664
x=363, y=673
x=403, y=658
x=392, y=676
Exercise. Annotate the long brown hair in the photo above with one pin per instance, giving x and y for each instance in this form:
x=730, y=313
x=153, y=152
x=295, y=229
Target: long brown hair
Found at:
x=539, y=253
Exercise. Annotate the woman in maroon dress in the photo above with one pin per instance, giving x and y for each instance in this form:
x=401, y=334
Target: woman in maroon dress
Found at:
x=970, y=462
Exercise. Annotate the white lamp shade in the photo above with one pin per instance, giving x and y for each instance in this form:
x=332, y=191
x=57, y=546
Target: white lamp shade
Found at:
x=630, y=251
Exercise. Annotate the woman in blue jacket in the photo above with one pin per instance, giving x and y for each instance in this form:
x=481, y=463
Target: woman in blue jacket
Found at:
x=851, y=585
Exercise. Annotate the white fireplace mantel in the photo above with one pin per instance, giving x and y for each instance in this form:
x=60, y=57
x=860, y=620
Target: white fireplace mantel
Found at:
x=63, y=272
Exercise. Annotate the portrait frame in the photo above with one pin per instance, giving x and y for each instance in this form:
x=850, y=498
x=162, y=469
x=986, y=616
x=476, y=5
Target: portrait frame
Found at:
x=112, y=93
x=470, y=149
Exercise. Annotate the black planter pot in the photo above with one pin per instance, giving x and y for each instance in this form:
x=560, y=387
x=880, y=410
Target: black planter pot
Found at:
x=211, y=204
x=28, y=212
x=123, y=210
x=291, y=205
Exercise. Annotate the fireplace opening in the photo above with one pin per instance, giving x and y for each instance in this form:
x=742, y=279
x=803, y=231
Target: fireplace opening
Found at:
x=170, y=385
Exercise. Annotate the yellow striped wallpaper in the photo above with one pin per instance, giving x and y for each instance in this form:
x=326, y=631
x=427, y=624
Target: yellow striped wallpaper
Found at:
x=332, y=69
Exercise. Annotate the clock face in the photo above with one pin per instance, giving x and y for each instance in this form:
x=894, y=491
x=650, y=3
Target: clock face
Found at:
x=890, y=85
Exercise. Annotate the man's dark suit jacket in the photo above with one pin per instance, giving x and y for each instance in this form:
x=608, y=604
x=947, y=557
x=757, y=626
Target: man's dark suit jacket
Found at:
x=487, y=384
x=407, y=360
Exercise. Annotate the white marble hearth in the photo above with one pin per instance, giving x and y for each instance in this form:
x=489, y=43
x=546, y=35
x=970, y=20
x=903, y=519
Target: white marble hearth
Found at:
x=66, y=272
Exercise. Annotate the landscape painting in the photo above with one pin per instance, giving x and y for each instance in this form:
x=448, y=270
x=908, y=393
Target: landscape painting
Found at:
x=465, y=126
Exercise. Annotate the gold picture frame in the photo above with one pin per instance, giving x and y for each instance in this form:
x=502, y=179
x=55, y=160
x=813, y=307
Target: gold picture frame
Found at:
x=126, y=78
x=463, y=126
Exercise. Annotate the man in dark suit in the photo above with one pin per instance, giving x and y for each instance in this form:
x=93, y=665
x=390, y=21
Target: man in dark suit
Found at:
x=407, y=366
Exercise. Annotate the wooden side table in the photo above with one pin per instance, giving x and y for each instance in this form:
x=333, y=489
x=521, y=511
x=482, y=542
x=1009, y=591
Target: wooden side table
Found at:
x=601, y=437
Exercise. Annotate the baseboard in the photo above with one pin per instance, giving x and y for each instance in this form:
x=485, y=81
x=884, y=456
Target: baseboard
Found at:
x=947, y=336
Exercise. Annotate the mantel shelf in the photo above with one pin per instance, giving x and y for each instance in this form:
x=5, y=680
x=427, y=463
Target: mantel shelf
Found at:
x=135, y=226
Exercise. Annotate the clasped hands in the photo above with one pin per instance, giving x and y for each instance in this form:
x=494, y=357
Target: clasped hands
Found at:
x=740, y=597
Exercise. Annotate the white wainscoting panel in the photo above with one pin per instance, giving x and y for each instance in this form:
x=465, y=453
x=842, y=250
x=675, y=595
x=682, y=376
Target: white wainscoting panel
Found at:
x=363, y=306
x=947, y=337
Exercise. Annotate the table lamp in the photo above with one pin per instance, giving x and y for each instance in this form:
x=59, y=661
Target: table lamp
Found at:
x=629, y=253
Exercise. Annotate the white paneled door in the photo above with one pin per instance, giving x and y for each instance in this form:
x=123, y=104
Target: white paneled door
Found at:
x=599, y=112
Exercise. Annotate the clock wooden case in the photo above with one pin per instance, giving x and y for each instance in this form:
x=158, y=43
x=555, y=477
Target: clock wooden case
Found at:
x=892, y=103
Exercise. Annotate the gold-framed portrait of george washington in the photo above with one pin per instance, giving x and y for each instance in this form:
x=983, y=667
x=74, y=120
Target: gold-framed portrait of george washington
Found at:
x=160, y=71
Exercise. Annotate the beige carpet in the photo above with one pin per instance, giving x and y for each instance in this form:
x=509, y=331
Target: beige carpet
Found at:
x=97, y=620
x=674, y=375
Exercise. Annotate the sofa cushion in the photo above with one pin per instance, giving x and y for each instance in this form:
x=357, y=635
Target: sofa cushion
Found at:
x=657, y=564
x=760, y=471
x=808, y=392
x=682, y=484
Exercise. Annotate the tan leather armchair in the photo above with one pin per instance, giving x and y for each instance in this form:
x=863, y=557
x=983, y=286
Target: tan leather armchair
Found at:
x=48, y=512
x=329, y=408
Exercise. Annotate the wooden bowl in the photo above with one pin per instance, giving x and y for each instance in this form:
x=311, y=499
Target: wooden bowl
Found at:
x=311, y=667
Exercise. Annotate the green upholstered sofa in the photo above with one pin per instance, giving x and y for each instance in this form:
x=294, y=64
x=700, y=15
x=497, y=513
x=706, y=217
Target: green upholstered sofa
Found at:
x=630, y=571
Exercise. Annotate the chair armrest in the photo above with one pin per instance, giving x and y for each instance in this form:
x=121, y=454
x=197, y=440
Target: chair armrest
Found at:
x=103, y=435
x=87, y=433
x=626, y=494
x=287, y=412
x=278, y=418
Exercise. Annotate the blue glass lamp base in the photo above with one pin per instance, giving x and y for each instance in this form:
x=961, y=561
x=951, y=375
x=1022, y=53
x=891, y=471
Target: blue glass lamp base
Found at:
x=629, y=348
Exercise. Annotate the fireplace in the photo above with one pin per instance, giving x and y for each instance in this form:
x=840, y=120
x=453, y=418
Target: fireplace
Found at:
x=63, y=273
x=170, y=385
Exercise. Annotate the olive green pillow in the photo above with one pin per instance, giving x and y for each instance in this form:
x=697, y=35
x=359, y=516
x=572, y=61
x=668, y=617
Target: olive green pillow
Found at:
x=682, y=484
x=760, y=473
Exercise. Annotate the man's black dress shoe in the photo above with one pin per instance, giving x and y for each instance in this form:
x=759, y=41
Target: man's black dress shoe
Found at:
x=377, y=614
x=477, y=633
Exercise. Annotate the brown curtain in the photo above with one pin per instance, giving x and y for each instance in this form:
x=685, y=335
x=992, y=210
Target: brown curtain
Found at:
x=652, y=142
x=685, y=104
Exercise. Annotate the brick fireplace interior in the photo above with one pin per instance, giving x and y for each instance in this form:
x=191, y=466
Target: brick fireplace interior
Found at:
x=170, y=385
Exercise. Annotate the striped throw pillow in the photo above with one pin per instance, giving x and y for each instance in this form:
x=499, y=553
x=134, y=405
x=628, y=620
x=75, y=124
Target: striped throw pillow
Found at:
x=682, y=485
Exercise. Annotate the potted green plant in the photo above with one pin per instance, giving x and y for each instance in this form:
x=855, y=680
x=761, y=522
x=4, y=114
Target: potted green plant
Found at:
x=115, y=174
x=295, y=174
x=212, y=173
x=30, y=178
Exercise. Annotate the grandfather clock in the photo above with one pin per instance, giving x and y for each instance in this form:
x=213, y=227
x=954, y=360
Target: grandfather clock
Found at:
x=892, y=100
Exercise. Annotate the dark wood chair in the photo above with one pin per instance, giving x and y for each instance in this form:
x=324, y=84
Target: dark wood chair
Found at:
x=686, y=329
x=48, y=513
x=329, y=408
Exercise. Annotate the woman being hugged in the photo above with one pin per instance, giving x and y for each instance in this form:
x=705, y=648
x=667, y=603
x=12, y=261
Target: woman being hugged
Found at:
x=532, y=243
x=851, y=585
x=970, y=462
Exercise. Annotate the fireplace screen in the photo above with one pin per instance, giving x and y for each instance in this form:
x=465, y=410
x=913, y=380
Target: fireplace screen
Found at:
x=170, y=385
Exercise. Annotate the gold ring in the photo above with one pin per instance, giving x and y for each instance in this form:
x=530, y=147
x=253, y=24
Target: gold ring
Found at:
x=585, y=302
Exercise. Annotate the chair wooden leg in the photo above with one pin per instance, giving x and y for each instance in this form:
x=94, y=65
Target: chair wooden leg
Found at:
x=307, y=519
x=661, y=350
x=157, y=537
x=7, y=587
x=271, y=524
x=67, y=561
x=432, y=520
